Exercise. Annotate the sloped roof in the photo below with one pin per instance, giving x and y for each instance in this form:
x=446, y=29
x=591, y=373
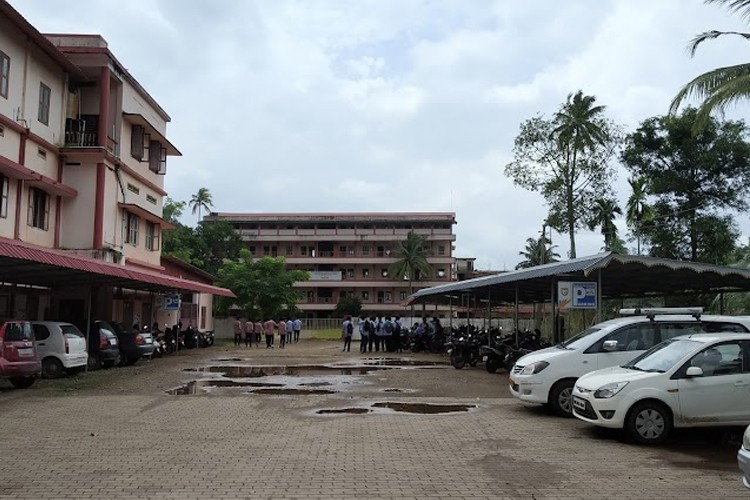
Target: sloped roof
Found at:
x=621, y=276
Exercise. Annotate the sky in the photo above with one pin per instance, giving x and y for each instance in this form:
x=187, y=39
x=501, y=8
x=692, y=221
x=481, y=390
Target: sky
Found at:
x=392, y=105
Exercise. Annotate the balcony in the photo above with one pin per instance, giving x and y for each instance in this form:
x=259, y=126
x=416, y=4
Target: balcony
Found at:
x=83, y=133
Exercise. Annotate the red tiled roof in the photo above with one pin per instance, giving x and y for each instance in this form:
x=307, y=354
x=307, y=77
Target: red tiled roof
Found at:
x=24, y=263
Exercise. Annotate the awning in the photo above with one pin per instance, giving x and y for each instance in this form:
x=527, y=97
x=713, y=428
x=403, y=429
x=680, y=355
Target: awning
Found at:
x=621, y=276
x=14, y=170
x=24, y=263
x=141, y=120
x=145, y=214
x=52, y=186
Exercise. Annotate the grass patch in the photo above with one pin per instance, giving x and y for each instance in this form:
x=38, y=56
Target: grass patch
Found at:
x=327, y=334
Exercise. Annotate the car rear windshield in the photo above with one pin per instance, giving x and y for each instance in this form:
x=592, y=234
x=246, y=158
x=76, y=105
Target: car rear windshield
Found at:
x=70, y=331
x=17, y=331
x=107, y=331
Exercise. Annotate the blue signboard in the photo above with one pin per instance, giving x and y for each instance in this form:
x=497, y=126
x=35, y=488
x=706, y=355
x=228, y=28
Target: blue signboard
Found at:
x=584, y=296
x=171, y=302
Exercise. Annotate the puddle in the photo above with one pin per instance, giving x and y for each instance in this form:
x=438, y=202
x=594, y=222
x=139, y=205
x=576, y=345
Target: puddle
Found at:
x=338, y=411
x=292, y=392
x=393, y=390
x=268, y=371
x=402, y=362
x=201, y=386
x=423, y=408
x=703, y=449
x=316, y=384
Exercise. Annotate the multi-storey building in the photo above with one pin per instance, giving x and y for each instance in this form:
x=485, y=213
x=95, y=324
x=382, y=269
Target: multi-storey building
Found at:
x=83, y=154
x=349, y=254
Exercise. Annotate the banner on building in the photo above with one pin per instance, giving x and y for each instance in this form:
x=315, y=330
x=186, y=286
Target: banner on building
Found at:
x=576, y=295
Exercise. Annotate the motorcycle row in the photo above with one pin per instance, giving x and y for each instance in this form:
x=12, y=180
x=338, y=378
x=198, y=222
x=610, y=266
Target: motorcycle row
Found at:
x=471, y=345
x=173, y=340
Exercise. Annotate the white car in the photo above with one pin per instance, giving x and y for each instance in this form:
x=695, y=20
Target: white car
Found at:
x=547, y=376
x=743, y=458
x=689, y=381
x=61, y=347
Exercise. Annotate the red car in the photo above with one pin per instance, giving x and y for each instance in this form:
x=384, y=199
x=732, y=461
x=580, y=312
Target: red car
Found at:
x=19, y=361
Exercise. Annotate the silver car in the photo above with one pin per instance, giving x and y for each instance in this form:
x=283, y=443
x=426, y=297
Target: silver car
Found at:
x=743, y=458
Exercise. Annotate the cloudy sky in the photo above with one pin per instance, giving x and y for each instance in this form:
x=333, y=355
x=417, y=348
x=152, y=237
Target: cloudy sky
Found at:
x=385, y=105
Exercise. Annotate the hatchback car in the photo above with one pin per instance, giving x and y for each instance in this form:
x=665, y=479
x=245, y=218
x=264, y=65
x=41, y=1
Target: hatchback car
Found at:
x=547, y=376
x=61, y=347
x=689, y=381
x=133, y=345
x=19, y=362
x=743, y=458
x=104, y=350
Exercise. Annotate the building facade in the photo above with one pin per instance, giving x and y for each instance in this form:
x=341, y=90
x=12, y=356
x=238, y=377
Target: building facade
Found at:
x=83, y=155
x=350, y=254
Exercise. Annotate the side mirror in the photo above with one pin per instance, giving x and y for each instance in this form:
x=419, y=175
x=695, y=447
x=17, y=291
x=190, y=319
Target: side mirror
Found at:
x=609, y=345
x=694, y=371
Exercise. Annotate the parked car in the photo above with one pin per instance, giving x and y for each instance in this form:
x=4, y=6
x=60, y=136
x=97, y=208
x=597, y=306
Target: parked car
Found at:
x=743, y=458
x=104, y=350
x=61, y=347
x=689, y=381
x=547, y=376
x=19, y=361
x=133, y=345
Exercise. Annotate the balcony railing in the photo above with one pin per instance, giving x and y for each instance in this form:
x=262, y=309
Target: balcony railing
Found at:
x=76, y=139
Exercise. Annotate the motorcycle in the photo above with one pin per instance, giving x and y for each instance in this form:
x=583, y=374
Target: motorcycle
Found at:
x=464, y=350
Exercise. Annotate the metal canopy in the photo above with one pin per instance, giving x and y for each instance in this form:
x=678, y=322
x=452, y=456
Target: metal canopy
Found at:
x=621, y=276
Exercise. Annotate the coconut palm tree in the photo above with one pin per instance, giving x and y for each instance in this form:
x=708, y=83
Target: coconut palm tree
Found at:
x=637, y=210
x=721, y=86
x=411, y=258
x=537, y=252
x=578, y=129
x=603, y=215
x=201, y=200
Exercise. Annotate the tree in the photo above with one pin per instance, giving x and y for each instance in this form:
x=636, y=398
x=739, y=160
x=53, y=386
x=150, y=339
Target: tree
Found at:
x=694, y=178
x=264, y=287
x=603, y=215
x=172, y=210
x=411, y=259
x=637, y=211
x=348, y=305
x=201, y=200
x=216, y=243
x=567, y=159
x=537, y=252
x=719, y=87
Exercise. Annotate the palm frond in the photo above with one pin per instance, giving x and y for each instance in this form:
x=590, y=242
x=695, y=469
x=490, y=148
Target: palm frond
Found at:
x=706, y=85
x=710, y=35
x=740, y=6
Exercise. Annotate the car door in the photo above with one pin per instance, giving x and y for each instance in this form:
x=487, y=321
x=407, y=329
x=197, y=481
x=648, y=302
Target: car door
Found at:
x=631, y=340
x=722, y=394
x=43, y=341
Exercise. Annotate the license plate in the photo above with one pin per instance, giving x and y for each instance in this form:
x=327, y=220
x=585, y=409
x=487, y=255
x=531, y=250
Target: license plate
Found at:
x=113, y=341
x=25, y=353
x=149, y=341
x=579, y=404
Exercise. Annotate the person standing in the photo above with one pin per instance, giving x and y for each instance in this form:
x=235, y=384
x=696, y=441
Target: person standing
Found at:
x=347, y=330
x=364, y=333
x=297, y=328
x=399, y=345
x=379, y=336
x=249, y=333
x=371, y=335
x=281, y=325
x=268, y=327
x=289, y=331
x=258, y=332
x=237, y=332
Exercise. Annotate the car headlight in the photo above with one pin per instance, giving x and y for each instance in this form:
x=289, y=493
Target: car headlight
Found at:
x=746, y=440
x=534, y=368
x=609, y=390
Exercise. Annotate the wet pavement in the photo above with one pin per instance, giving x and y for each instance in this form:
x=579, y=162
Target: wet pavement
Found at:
x=304, y=422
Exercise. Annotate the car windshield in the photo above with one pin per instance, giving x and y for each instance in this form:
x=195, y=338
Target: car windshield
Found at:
x=664, y=356
x=70, y=331
x=579, y=341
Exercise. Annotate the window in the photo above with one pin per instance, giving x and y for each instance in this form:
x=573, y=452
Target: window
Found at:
x=365, y=273
x=388, y=297
x=157, y=158
x=350, y=273
x=41, y=332
x=381, y=251
x=342, y=251
x=366, y=250
x=41, y=153
x=131, y=228
x=4, y=183
x=4, y=74
x=384, y=272
x=251, y=249
x=270, y=250
x=637, y=337
x=133, y=188
x=722, y=359
x=290, y=250
x=402, y=295
x=441, y=250
x=152, y=237
x=38, y=215
x=381, y=297
x=365, y=296
x=44, y=97
x=151, y=199
x=350, y=250
x=441, y=273
x=136, y=142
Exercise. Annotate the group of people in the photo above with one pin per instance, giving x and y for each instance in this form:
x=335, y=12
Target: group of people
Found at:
x=289, y=331
x=375, y=333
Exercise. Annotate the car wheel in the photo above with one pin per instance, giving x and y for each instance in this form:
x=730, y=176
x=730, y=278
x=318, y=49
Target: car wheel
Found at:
x=648, y=422
x=22, y=382
x=561, y=398
x=95, y=361
x=52, y=368
x=492, y=364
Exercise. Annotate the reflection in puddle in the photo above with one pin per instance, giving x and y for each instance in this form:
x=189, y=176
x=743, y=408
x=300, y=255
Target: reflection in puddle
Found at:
x=196, y=385
x=423, y=408
x=302, y=370
x=292, y=392
x=338, y=411
x=402, y=362
x=316, y=384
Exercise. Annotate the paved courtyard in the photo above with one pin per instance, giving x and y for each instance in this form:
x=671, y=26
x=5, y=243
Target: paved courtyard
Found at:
x=259, y=434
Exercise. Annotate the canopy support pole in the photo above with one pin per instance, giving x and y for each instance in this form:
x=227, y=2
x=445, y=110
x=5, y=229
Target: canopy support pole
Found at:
x=489, y=318
x=515, y=314
x=554, y=312
x=599, y=298
x=721, y=302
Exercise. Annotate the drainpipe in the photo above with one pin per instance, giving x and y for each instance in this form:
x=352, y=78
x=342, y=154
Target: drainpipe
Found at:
x=101, y=171
x=58, y=212
x=20, y=185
